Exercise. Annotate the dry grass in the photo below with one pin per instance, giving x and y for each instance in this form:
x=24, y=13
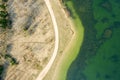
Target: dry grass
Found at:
x=31, y=39
x=66, y=32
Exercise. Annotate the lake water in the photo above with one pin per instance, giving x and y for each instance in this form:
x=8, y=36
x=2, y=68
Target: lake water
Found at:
x=99, y=56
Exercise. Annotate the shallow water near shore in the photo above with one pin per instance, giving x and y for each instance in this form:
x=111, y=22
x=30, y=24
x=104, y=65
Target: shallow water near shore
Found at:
x=99, y=56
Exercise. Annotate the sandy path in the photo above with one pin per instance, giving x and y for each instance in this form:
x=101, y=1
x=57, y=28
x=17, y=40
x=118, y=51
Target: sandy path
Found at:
x=48, y=66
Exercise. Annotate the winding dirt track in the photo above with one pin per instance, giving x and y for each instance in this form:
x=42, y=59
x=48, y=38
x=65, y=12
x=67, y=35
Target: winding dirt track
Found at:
x=48, y=66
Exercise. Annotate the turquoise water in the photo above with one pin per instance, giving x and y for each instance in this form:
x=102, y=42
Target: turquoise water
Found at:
x=99, y=56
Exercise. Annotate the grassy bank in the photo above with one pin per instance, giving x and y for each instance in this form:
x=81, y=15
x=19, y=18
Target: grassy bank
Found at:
x=74, y=47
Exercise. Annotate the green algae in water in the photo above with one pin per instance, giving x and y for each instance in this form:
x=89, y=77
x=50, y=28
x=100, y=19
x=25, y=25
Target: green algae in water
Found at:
x=99, y=56
x=106, y=12
x=106, y=62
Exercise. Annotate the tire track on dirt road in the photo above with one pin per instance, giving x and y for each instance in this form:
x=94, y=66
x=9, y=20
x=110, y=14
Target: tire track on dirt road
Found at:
x=48, y=66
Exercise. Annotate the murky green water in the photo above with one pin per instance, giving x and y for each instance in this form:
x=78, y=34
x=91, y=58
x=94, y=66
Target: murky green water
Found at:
x=99, y=56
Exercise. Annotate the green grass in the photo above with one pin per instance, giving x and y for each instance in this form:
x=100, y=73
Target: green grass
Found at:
x=74, y=50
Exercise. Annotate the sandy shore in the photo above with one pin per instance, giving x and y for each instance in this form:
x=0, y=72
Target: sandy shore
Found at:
x=64, y=58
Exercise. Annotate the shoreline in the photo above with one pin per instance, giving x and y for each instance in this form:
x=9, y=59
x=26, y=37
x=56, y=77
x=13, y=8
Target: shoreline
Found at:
x=71, y=51
x=67, y=53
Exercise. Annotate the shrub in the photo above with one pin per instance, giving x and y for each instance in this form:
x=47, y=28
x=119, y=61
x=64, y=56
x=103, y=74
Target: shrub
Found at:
x=1, y=69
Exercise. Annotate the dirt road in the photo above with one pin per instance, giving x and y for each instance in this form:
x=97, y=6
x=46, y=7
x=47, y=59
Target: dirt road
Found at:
x=48, y=66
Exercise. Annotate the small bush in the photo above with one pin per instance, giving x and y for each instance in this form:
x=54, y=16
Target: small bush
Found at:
x=10, y=58
x=4, y=21
x=1, y=69
x=3, y=6
x=4, y=0
x=3, y=14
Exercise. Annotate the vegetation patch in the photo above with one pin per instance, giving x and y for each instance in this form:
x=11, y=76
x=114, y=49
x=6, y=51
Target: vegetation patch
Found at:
x=4, y=20
x=5, y=24
x=1, y=69
x=10, y=59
